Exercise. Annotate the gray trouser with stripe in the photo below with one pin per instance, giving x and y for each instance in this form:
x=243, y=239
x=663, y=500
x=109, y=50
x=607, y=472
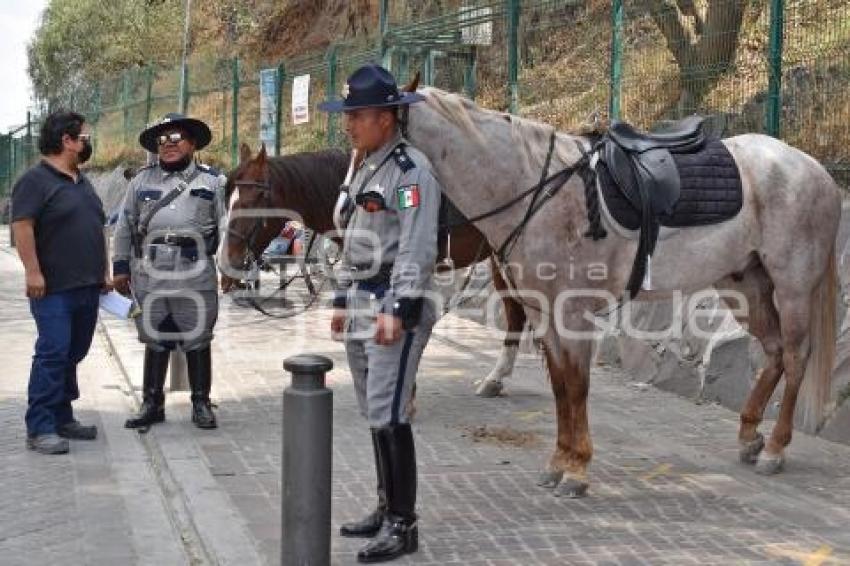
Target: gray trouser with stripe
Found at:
x=384, y=375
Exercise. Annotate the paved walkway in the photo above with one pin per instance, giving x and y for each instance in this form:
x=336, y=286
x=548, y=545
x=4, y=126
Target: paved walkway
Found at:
x=667, y=488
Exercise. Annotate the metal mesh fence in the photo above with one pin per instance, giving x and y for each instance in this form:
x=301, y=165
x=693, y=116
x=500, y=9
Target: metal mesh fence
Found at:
x=779, y=67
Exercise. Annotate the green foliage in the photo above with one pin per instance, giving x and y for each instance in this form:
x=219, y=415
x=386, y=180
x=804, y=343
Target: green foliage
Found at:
x=80, y=42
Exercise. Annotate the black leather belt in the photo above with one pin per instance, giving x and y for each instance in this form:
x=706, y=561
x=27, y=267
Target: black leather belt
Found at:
x=382, y=277
x=175, y=240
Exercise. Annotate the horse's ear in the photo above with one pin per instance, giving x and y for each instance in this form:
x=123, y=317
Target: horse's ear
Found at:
x=244, y=153
x=261, y=157
x=412, y=85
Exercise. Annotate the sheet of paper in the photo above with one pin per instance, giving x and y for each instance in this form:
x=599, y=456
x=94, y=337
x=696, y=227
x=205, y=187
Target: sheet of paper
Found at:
x=117, y=304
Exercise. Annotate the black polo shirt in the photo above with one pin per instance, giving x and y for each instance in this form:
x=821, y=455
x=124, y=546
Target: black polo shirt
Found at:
x=69, y=223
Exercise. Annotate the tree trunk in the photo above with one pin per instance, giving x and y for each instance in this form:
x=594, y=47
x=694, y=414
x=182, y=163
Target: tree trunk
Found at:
x=703, y=40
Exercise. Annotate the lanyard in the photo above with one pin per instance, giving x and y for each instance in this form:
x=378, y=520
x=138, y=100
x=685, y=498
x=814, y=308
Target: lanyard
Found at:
x=378, y=168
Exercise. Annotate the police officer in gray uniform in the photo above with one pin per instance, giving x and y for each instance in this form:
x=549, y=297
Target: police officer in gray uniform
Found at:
x=165, y=240
x=384, y=308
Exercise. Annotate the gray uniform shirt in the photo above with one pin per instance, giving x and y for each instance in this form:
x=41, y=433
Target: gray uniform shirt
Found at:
x=404, y=234
x=198, y=212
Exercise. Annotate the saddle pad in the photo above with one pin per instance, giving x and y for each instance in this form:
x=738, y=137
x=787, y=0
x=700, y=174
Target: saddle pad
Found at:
x=711, y=190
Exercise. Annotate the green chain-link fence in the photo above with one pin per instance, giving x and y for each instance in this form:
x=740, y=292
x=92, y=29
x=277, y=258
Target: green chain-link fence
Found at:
x=780, y=67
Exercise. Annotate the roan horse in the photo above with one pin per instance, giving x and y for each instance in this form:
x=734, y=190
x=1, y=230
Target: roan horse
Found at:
x=308, y=184
x=778, y=253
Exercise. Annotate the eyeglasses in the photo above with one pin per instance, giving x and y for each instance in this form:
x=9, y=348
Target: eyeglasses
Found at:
x=84, y=137
x=174, y=137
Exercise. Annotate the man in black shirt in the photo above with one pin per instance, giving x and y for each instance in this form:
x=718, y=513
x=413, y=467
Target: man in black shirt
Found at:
x=57, y=221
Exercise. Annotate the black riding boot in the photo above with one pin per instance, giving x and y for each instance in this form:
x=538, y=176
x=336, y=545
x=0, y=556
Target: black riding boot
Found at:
x=199, y=364
x=152, y=410
x=371, y=524
x=399, y=534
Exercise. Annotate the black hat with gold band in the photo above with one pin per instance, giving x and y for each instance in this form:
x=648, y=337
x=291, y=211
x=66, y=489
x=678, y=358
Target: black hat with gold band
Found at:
x=370, y=86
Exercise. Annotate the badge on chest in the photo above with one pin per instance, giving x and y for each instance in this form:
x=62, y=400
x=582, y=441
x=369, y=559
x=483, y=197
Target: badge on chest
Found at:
x=372, y=199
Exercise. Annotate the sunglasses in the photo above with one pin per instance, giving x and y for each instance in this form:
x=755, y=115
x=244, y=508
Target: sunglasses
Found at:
x=174, y=137
x=84, y=137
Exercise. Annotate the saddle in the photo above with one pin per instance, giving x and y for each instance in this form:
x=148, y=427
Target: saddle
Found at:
x=642, y=167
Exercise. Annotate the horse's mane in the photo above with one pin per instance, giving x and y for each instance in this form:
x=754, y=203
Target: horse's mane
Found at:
x=529, y=134
x=311, y=181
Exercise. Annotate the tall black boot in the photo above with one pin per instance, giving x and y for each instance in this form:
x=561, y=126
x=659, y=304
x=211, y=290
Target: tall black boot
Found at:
x=399, y=534
x=199, y=364
x=152, y=410
x=371, y=524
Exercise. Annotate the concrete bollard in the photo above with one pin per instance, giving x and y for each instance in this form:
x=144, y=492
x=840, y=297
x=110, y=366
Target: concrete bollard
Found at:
x=307, y=445
x=179, y=371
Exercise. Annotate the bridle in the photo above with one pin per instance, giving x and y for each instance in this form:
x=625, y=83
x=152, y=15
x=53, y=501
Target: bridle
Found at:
x=250, y=256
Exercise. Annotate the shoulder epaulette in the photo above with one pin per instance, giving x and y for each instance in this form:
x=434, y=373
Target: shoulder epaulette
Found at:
x=209, y=169
x=129, y=173
x=402, y=159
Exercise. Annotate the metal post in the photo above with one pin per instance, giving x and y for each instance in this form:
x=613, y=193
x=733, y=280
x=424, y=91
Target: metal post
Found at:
x=148, y=95
x=278, y=121
x=28, y=142
x=184, y=69
x=383, y=26
x=307, y=452
x=331, y=93
x=773, y=110
x=403, y=65
x=616, y=59
x=470, y=73
x=234, y=118
x=430, y=67
x=125, y=100
x=514, y=7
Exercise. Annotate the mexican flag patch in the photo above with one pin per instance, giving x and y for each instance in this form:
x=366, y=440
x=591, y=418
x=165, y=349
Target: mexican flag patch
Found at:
x=408, y=196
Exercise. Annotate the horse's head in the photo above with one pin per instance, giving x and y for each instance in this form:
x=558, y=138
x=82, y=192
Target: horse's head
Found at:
x=251, y=225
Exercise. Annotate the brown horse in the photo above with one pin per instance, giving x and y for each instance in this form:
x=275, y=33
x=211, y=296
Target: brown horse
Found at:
x=307, y=184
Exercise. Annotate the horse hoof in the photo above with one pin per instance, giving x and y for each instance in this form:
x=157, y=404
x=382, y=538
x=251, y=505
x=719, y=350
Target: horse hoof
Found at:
x=749, y=452
x=550, y=480
x=769, y=465
x=571, y=489
x=489, y=388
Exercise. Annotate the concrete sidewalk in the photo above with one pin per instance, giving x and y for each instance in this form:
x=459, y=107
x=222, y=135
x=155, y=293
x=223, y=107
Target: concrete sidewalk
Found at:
x=666, y=485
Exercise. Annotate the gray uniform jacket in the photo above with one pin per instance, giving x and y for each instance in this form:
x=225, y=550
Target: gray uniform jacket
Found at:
x=198, y=213
x=402, y=236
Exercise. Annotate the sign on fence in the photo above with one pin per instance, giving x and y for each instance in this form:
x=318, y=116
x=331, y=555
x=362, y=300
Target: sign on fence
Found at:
x=268, y=109
x=301, y=99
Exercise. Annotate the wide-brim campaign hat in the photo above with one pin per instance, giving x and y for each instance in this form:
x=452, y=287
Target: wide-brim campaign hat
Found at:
x=197, y=130
x=370, y=86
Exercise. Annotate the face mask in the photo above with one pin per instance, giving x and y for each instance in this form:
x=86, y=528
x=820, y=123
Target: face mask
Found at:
x=85, y=154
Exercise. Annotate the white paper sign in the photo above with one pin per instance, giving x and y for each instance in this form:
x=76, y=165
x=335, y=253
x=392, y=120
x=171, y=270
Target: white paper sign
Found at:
x=116, y=304
x=301, y=99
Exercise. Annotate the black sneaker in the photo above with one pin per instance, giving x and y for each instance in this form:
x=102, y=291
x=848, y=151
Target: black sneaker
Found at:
x=75, y=431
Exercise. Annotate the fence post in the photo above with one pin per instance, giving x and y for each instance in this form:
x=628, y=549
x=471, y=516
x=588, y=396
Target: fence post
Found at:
x=616, y=59
x=429, y=68
x=278, y=122
x=28, y=144
x=470, y=73
x=514, y=7
x=773, y=110
x=125, y=97
x=331, y=92
x=185, y=91
x=307, y=457
x=384, y=26
x=403, y=74
x=149, y=96
x=234, y=117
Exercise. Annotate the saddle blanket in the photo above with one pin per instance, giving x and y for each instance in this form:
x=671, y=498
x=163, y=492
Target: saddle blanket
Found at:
x=711, y=191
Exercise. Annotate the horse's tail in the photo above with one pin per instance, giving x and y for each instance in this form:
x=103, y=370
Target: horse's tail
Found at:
x=816, y=388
